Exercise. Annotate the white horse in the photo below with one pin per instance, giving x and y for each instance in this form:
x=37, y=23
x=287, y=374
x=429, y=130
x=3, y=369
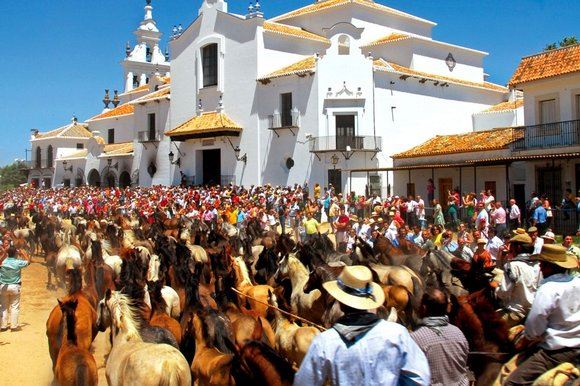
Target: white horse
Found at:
x=134, y=362
x=197, y=252
x=171, y=298
x=302, y=303
x=68, y=257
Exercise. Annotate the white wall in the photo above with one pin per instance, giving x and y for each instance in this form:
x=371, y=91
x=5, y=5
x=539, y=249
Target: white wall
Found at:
x=492, y=120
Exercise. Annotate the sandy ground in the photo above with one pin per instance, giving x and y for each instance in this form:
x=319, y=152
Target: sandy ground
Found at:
x=24, y=358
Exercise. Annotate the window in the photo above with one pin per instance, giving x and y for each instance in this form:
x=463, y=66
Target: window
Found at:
x=38, y=157
x=345, y=132
x=80, y=146
x=135, y=81
x=577, y=103
x=210, y=65
x=151, y=127
x=344, y=45
x=548, y=111
x=490, y=186
x=410, y=189
x=49, y=157
x=286, y=109
x=148, y=54
x=111, y=136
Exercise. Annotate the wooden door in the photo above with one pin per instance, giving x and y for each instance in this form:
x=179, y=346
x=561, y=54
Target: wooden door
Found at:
x=445, y=185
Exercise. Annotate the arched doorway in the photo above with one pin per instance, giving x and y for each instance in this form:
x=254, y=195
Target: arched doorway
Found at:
x=124, y=180
x=94, y=178
x=110, y=179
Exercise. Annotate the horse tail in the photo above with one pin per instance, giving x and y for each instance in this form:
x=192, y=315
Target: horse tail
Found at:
x=82, y=374
x=170, y=375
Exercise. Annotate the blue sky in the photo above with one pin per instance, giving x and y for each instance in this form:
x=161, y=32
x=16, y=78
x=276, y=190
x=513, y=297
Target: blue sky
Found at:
x=58, y=56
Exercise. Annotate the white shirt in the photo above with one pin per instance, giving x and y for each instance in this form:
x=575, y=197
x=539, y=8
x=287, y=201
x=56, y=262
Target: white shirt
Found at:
x=385, y=355
x=519, y=284
x=514, y=212
x=482, y=215
x=492, y=247
x=555, y=314
x=538, y=244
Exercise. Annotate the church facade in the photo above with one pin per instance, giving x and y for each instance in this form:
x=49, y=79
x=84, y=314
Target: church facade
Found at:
x=307, y=96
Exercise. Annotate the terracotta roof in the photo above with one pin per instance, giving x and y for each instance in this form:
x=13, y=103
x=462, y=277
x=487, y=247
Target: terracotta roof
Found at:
x=163, y=93
x=505, y=106
x=145, y=87
x=166, y=79
x=495, y=139
x=288, y=30
x=383, y=65
x=547, y=64
x=124, y=109
x=76, y=155
x=205, y=123
x=305, y=66
x=117, y=149
x=100, y=140
x=328, y=4
x=74, y=130
x=394, y=37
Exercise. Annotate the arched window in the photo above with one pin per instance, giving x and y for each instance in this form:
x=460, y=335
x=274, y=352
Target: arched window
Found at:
x=209, y=55
x=344, y=45
x=49, y=157
x=38, y=157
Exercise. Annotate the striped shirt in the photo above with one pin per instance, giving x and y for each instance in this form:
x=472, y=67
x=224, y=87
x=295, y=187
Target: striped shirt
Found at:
x=446, y=353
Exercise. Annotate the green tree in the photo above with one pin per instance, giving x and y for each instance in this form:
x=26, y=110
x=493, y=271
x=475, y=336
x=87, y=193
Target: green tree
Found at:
x=567, y=41
x=12, y=175
x=551, y=46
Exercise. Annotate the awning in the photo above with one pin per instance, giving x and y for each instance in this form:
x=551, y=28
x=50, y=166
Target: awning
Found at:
x=206, y=125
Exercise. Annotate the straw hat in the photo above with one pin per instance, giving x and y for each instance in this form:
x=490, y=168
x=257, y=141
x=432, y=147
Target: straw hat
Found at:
x=354, y=217
x=481, y=241
x=557, y=254
x=523, y=238
x=355, y=288
x=549, y=236
x=532, y=229
x=519, y=231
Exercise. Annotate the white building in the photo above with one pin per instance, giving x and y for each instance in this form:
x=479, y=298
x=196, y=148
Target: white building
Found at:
x=335, y=86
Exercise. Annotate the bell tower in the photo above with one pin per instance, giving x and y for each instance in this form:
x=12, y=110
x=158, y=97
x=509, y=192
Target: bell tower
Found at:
x=146, y=57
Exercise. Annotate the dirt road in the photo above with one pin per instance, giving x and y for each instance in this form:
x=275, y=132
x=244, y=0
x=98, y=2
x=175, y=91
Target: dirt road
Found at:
x=24, y=358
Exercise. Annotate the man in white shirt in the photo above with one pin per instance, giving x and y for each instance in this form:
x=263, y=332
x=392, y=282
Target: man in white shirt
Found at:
x=554, y=319
x=482, y=220
x=494, y=243
x=515, y=218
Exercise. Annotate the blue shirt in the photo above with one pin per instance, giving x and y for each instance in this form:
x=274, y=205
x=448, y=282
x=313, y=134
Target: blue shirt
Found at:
x=10, y=270
x=540, y=215
x=385, y=355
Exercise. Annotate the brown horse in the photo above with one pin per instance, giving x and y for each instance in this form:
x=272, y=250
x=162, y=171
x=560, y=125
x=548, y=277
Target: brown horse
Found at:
x=86, y=318
x=159, y=316
x=210, y=365
x=75, y=365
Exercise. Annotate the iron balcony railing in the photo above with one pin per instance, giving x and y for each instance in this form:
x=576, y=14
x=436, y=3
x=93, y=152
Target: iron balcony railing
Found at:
x=146, y=136
x=278, y=120
x=341, y=143
x=548, y=135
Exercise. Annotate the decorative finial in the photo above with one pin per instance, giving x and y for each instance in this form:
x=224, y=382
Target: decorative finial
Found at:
x=221, y=103
x=148, y=2
x=74, y=120
x=257, y=7
x=251, y=8
x=174, y=30
x=106, y=99
x=199, y=107
x=116, y=100
x=127, y=49
x=166, y=54
x=179, y=29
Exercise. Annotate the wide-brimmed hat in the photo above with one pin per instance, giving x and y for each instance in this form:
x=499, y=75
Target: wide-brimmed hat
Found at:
x=519, y=231
x=355, y=288
x=354, y=217
x=481, y=241
x=557, y=254
x=523, y=238
x=532, y=229
x=549, y=236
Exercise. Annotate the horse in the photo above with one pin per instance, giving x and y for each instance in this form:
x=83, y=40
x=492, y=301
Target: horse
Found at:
x=86, y=318
x=244, y=325
x=310, y=304
x=135, y=362
x=210, y=366
x=104, y=274
x=245, y=286
x=159, y=316
x=292, y=341
x=318, y=276
x=74, y=365
x=68, y=257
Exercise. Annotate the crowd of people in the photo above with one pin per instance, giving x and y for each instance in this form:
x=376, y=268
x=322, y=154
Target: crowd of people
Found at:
x=539, y=287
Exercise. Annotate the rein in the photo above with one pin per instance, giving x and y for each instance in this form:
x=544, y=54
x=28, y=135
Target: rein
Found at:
x=278, y=309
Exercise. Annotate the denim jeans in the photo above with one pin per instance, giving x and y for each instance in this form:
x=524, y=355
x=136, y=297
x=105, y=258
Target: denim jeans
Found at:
x=9, y=303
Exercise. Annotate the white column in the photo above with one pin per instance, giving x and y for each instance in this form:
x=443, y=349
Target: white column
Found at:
x=143, y=80
x=129, y=81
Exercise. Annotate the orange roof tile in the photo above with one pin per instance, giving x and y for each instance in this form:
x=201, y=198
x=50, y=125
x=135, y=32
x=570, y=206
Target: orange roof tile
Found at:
x=304, y=66
x=394, y=37
x=547, y=64
x=383, y=65
x=288, y=30
x=124, y=109
x=76, y=155
x=73, y=130
x=495, y=139
x=163, y=93
x=328, y=4
x=205, y=123
x=505, y=106
x=139, y=89
x=117, y=149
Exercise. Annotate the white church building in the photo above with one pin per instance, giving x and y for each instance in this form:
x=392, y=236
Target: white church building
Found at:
x=307, y=96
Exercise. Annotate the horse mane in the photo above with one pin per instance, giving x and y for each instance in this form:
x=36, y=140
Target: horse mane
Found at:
x=216, y=330
x=266, y=363
x=295, y=264
x=68, y=309
x=243, y=269
x=124, y=312
x=182, y=256
x=97, y=251
x=158, y=303
x=76, y=281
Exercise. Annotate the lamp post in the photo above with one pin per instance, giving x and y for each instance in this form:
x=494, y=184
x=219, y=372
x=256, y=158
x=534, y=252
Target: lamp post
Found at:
x=243, y=158
x=176, y=162
x=67, y=168
x=334, y=160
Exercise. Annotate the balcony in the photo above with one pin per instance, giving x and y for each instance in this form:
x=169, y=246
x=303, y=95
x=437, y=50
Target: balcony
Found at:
x=279, y=121
x=549, y=135
x=346, y=145
x=145, y=137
